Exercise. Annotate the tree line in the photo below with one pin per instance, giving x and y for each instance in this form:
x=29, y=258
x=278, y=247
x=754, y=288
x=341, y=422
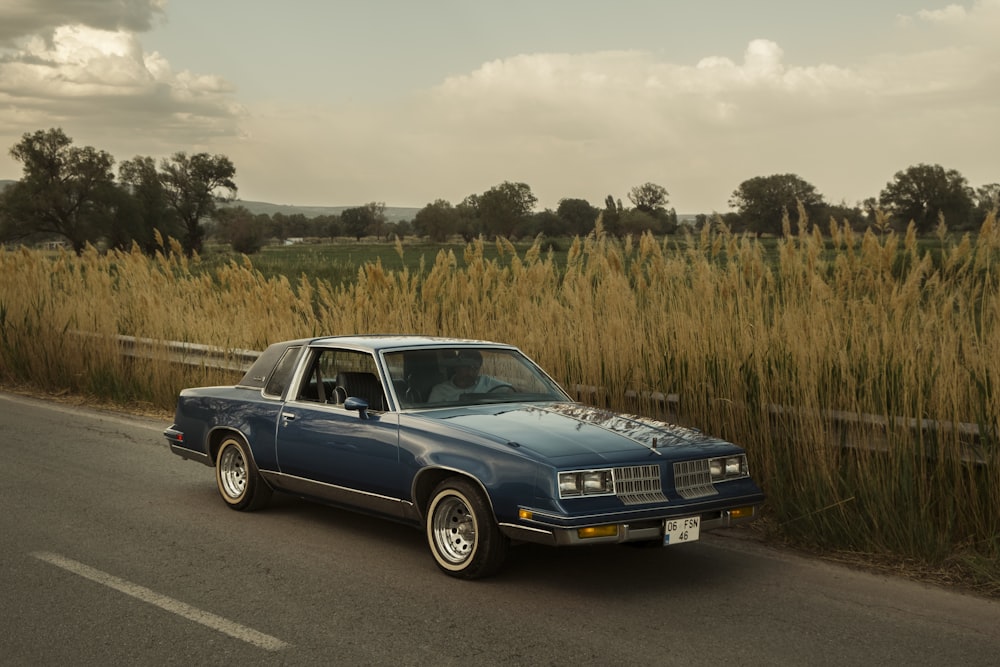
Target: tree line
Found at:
x=71, y=193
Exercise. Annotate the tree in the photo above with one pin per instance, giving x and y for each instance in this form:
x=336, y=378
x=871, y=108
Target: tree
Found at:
x=284, y=226
x=147, y=210
x=240, y=228
x=357, y=221
x=190, y=184
x=66, y=190
x=376, y=211
x=636, y=222
x=762, y=201
x=437, y=220
x=577, y=215
x=649, y=198
x=853, y=215
x=612, y=212
x=401, y=229
x=544, y=222
x=470, y=225
x=296, y=225
x=503, y=208
x=328, y=225
x=923, y=193
x=987, y=199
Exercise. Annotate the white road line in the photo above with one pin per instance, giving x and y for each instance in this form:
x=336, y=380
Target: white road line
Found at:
x=207, y=619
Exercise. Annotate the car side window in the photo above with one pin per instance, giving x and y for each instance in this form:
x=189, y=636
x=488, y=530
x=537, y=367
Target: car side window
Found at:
x=316, y=386
x=282, y=372
x=334, y=375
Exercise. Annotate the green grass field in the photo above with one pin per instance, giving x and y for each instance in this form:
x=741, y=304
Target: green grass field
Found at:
x=339, y=262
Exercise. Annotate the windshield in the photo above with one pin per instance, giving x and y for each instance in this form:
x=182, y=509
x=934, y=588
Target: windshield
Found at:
x=467, y=375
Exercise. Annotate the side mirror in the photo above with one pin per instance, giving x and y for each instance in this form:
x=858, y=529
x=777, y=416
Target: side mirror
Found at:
x=359, y=404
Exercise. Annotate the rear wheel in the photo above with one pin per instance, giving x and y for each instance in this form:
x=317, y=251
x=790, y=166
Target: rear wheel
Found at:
x=462, y=533
x=240, y=485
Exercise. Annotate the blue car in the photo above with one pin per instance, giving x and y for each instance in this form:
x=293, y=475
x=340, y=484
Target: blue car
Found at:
x=469, y=441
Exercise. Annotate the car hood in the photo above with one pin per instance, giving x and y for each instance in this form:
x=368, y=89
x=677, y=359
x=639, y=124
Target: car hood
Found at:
x=561, y=431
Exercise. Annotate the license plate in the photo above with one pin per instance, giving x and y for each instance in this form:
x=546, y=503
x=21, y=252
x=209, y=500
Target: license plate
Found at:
x=685, y=529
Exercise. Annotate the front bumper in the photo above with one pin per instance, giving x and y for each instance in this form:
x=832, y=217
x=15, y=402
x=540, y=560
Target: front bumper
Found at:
x=633, y=530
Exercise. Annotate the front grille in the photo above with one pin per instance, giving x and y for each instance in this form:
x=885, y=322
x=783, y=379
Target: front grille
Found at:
x=636, y=485
x=692, y=479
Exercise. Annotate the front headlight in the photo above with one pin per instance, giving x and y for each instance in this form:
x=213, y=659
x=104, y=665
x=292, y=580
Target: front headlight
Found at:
x=586, y=483
x=597, y=481
x=569, y=484
x=728, y=467
x=736, y=466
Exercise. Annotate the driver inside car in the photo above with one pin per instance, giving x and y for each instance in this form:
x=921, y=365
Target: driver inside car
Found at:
x=464, y=378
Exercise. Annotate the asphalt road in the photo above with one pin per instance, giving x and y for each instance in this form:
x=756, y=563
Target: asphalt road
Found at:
x=115, y=551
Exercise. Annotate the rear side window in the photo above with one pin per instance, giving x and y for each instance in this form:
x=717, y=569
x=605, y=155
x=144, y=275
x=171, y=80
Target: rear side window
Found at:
x=282, y=374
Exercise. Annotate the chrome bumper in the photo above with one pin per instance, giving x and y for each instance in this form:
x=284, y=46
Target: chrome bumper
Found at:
x=647, y=530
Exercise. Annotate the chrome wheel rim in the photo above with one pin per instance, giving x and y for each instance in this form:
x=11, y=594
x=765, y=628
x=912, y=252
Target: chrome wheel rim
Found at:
x=233, y=472
x=454, y=530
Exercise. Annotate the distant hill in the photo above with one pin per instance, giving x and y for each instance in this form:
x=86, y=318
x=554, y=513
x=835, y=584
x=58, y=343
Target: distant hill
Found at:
x=392, y=213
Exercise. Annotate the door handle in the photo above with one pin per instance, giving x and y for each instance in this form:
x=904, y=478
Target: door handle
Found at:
x=288, y=416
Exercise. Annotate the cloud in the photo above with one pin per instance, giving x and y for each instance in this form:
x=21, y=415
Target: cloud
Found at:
x=583, y=124
x=955, y=60
x=980, y=16
x=949, y=14
x=99, y=82
x=21, y=18
x=631, y=99
x=568, y=124
x=590, y=124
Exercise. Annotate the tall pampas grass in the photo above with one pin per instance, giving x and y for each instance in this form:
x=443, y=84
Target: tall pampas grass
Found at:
x=818, y=357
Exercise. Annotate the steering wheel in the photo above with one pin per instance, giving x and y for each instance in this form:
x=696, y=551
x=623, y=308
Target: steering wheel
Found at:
x=508, y=388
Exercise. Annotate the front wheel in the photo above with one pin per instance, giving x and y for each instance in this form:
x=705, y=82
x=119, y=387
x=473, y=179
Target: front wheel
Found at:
x=463, y=535
x=240, y=485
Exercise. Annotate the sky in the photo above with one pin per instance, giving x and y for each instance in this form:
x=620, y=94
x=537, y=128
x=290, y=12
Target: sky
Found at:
x=345, y=102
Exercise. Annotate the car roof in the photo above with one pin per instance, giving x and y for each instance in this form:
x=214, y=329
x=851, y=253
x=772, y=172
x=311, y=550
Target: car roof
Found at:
x=384, y=342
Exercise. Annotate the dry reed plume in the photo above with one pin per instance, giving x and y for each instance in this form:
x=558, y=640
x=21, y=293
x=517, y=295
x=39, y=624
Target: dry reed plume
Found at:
x=844, y=326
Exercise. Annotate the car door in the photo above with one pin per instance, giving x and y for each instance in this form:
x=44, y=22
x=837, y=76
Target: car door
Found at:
x=330, y=452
